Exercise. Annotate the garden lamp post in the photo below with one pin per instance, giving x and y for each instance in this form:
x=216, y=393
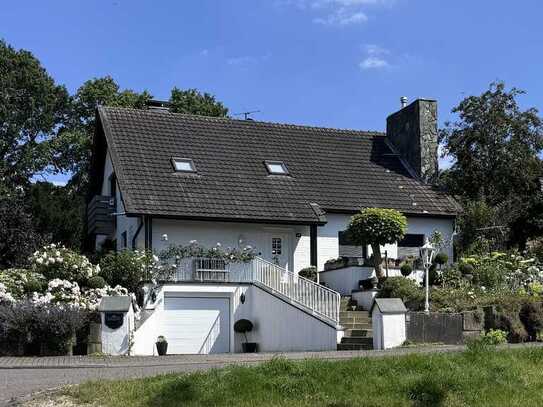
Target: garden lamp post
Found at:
x=427, y=255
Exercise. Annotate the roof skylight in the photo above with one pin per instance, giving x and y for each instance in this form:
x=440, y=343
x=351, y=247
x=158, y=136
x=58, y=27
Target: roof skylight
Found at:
x=183, y=164
x=276, y=167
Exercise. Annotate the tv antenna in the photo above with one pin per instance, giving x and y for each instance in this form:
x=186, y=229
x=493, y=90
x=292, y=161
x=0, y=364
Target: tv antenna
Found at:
x=247, y=114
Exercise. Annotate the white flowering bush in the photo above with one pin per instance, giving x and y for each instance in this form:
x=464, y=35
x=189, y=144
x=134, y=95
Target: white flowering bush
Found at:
x=21, y=282
x=91, y=298
x=56, y=261
x=129, y=268
x=5, y=295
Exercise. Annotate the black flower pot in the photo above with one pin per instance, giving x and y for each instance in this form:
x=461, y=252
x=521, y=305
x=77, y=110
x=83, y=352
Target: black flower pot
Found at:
x=162, y=348
x=249, y=347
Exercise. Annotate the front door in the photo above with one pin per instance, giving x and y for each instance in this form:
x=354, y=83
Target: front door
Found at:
x=278, y=249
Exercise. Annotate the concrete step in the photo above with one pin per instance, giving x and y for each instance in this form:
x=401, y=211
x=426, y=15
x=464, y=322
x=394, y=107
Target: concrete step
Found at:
x=356, y=325
x=360, y=320
x=360, y=340
x=359, y=332
x=354, y=346
x=351, y=314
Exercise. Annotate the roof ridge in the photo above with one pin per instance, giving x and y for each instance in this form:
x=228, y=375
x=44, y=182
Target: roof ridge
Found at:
x=246, y=122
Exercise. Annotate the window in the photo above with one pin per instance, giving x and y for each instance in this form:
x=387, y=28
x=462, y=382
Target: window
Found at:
x=347, y=248
x=276, y=167
x=276, y=246
x=183, y=165
x=409, y=245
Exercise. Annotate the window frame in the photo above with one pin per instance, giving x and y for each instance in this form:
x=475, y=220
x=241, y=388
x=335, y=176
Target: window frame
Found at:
x=268, y=163
x=190, y=161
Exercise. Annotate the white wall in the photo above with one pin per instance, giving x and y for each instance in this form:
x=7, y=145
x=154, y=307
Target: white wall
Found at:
x=116, y=341
x=228, y=234
x=124, y=223
x=328, y=244
x=345, y=280
x=279, y=326
x=388, y=330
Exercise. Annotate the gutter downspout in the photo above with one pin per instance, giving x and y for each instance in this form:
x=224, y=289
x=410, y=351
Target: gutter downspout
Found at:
x=140, y=226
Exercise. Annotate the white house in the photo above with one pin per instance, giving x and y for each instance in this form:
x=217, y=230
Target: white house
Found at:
x=161, y=178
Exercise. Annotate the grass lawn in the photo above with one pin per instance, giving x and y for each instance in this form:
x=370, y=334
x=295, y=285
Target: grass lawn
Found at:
x=473, y=378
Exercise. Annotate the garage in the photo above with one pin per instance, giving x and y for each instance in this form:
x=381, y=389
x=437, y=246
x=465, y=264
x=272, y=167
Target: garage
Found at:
x=196, y=325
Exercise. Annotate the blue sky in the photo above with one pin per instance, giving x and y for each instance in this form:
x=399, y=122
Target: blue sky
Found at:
x=336, y=63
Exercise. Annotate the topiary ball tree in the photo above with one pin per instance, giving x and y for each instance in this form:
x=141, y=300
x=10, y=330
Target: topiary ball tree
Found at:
x=440, y=259
x=243, y=326
x=406, y=269
x=377, y=227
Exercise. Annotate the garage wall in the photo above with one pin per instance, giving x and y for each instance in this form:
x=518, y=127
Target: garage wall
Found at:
x=279, y=326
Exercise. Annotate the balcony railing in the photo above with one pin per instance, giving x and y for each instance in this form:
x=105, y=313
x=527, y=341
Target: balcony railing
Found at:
x=100, y=220
x=316, y=298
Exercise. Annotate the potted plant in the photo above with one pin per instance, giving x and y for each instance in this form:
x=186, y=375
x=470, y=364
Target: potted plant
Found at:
x=243, y=326
x=161, y=345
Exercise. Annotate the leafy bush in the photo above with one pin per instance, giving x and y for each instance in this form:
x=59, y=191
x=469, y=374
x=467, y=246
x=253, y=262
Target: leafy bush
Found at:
x=406, y=269
x=490, y=338
x=441, y=259
x=19, y=282
x=400, y=287
x=96, y=282
x=309, y=272
x=54, y=261
x=49, y=329
x=127, y=268
x=465, y=268
x=531, y=315
x=434, y=277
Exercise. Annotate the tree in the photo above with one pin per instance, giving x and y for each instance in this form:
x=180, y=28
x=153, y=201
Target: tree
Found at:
x=31, y=108
x=191, y=101
x=495, y=173
x=18, y=239
x=75, y=140
x=57, y=213
x=494, y=146
x=377, y=227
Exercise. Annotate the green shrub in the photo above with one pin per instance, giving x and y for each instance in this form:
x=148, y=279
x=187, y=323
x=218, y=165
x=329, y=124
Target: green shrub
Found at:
x=55, y=261
x=126, y=268
x=465, y=268
x=96, y=282
x=406, y=269
x=20, y=282
x=441, y=259
x=400, y=287
x=434, y=277
x=490, y=338
x=452, y=277
x=34, y=285
x=531, y=315
x=309, y=272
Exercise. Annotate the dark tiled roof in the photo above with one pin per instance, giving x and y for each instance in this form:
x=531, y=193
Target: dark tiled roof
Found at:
x=340, y=170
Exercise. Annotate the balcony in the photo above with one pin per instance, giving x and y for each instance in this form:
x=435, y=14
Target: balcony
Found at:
x=100, y=219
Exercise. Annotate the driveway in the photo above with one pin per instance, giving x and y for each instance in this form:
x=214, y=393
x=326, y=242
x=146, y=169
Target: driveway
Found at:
x=20, y=377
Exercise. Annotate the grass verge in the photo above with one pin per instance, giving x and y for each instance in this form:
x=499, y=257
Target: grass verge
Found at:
x=480, y=377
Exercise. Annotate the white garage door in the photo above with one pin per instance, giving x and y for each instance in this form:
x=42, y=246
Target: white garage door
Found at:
x=196, y=325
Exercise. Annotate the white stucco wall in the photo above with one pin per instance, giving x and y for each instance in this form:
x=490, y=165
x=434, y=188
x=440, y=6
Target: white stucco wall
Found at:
x=345, y=280
x=328, y=246
x=116, y=341
x=228, y=234
x=388, y=330
x=279, y=326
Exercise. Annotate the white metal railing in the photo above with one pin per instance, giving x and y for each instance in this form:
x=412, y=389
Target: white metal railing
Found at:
x=318, y=299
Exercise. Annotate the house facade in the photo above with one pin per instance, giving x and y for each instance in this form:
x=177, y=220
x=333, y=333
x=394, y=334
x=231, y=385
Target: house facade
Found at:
x=161, y=178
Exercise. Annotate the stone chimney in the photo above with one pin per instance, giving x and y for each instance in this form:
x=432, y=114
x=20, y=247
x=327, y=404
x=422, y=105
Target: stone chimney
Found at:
x=412, y=132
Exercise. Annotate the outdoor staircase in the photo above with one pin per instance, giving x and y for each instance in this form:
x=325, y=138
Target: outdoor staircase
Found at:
x=357, y=324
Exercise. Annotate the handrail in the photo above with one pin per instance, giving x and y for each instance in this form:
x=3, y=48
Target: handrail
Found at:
x=320, y=300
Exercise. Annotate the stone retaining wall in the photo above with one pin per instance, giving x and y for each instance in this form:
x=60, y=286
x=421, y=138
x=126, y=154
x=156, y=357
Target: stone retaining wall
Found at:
x=448, y=328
